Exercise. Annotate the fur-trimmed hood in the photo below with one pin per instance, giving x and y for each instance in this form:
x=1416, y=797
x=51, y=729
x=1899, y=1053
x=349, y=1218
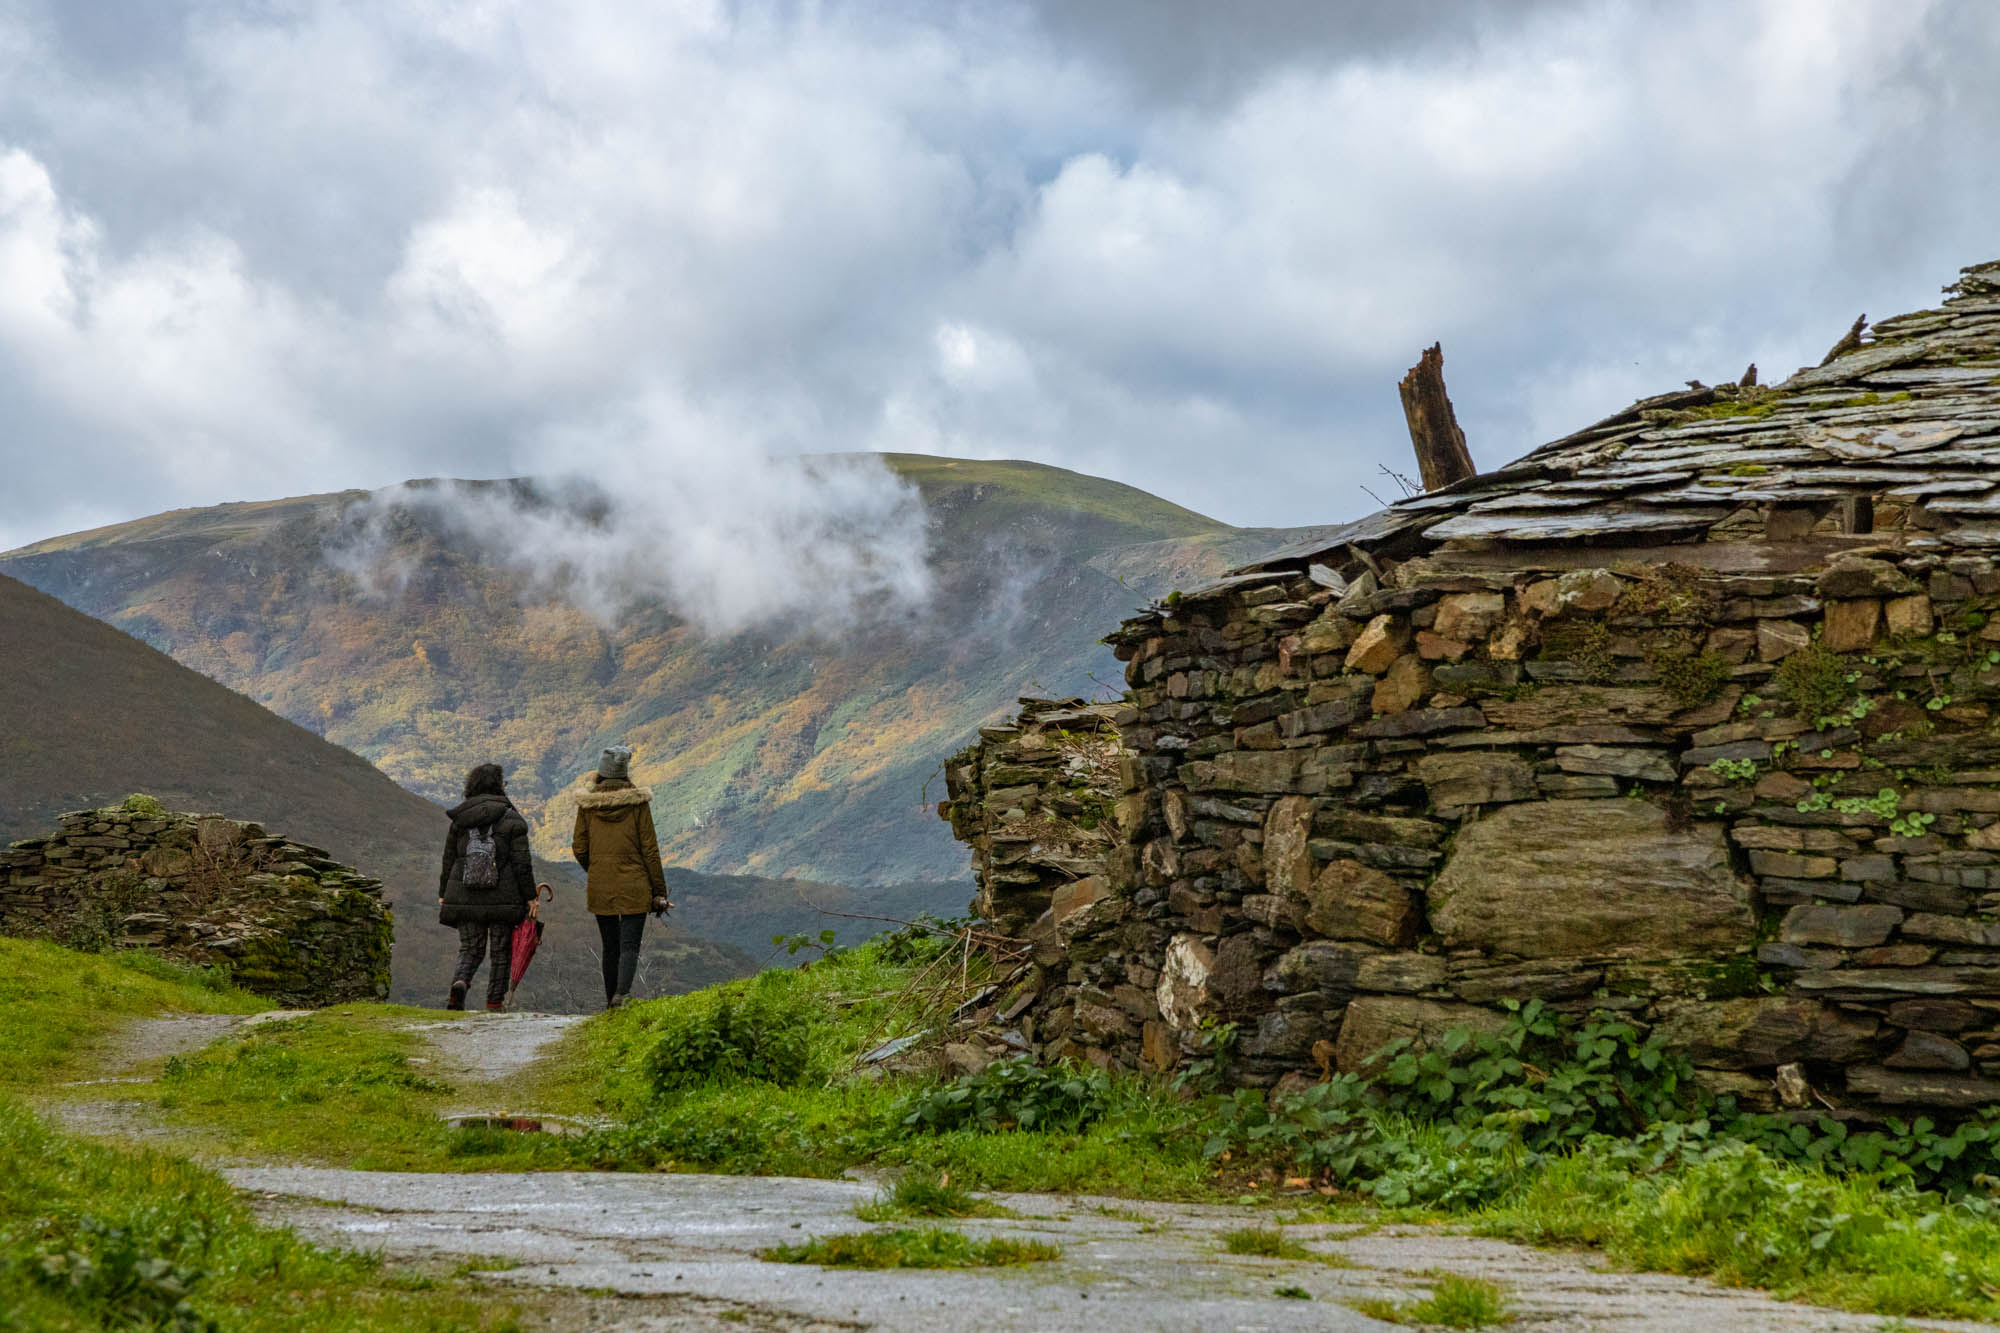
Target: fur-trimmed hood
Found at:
x=615, y=799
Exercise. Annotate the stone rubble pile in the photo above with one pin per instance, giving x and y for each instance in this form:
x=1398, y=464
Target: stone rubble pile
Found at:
x=288, y=922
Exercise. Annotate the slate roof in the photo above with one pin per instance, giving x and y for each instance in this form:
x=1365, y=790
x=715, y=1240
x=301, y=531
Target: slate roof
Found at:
x=1907, y=420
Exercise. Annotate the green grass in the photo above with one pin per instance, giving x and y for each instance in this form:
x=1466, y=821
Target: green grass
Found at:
x=1269, y=1242
x=1273, y=1243
x=1454, y=1302
x=819, y=1120
x=350, y=1086
x=57, y=1006
x=130, y=1235
x=347, y=1086
x=1861, y=1241
x=915, y=1195
x=931, y=1247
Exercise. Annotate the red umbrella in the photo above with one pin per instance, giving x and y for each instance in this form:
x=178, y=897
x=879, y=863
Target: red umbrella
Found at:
x=527, y=938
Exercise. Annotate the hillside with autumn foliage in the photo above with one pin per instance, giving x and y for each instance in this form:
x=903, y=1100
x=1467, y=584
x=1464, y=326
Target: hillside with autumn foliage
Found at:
x=780, y=751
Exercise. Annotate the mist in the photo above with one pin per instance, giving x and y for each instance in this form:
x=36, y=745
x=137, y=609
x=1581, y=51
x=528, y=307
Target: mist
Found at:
x=727, y=542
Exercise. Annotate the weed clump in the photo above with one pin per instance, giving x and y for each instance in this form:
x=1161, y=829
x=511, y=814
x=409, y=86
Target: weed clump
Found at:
x=931, y=1247
x=1584, y=644
x=1012, y=1094
x=915, y=1194
x=1273, y=1243
x=1816, y=680
x=121, y=1276
x=1691, y=676
x=1454, y=1302
x=760, y=1030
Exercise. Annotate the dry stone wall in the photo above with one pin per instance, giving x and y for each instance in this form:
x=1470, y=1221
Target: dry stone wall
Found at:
x=1032, y=800
x=1758, y=812
x=287, y=921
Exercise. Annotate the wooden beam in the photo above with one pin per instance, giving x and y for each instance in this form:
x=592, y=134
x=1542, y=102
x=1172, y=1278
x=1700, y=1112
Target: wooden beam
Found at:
x=1442, y=457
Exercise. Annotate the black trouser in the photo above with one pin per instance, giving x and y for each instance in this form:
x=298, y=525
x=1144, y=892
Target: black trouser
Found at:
x=474, y=938
x=620, y=935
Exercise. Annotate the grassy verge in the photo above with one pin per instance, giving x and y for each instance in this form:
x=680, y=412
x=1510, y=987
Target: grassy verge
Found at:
x=759, y=1077
x=58, y=1006
x=1860, y=1241
x=94, y=1237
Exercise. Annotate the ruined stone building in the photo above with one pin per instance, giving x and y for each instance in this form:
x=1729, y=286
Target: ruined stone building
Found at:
x=283, y=918
x=1689, y=716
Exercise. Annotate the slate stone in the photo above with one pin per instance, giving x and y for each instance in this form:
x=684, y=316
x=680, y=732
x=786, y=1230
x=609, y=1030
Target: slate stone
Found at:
x=1928, y=1050
x=1859, y=576
x=1764, y=1031
x=1373, y=1021
x=1352, y=901
x=1617, y=761
x=1843, y=927
x=1935, y=1015
x=1288, y=867
x=1327, y=965
x=1236, y=981
x=1182, y=993
x=1581, y=879
x=1952, y=930
x=1379, y=645
x=1896, y=1087
x=1851, y=627
x=1420, y=722
x=1470, y=778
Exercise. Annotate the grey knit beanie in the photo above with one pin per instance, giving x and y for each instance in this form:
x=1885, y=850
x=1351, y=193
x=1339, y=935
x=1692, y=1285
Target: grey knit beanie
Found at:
x=615, y=762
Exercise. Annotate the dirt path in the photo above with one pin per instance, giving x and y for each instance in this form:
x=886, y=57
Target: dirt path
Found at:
x=491, y=1048
x=1125, y=1265
x=134, y=1056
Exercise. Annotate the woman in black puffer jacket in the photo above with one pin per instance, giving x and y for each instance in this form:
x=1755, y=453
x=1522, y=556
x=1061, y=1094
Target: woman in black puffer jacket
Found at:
x=487, y=886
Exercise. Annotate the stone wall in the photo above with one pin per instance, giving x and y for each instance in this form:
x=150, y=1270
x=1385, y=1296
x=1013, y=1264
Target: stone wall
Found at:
x=1032, y=800
x=1758, y=812
x=287, y=921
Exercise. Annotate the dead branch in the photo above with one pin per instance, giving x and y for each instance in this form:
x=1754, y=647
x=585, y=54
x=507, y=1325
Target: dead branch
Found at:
x=1442, y=457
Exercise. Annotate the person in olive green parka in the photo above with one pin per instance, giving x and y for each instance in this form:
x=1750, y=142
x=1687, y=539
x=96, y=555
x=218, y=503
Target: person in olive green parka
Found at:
x=619, y=849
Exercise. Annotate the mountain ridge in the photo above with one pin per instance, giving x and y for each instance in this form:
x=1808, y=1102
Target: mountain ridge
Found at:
x=777, y=754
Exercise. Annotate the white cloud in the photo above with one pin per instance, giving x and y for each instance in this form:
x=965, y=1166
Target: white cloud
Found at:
x=276, y=249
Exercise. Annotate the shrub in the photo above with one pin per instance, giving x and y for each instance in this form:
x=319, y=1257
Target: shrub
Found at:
x=919, y=942
x=111, y=1271
x=761, y=1030
x=1012, y=1094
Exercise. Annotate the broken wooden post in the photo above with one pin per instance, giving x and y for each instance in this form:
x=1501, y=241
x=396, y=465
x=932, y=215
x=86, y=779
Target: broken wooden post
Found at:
x=1441, y=454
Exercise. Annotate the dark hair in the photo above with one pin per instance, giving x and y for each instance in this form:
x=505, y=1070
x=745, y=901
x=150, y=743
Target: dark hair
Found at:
x=485, y=780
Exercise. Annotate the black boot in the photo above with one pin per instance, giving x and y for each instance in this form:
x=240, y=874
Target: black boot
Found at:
x=458, y=990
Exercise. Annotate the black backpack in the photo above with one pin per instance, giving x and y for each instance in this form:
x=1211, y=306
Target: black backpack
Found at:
x=482, y=859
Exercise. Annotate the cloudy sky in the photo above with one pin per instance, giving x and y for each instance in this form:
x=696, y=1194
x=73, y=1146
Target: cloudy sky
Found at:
x=262, y=247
